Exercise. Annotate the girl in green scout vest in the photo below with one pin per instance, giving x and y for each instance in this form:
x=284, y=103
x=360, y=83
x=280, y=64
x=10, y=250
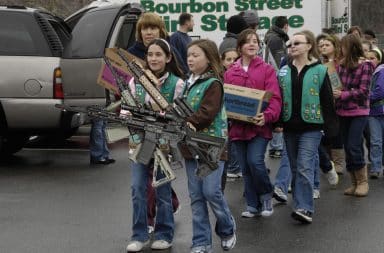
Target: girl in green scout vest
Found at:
x=308, y=108
x=161, y=62
x=204, y=92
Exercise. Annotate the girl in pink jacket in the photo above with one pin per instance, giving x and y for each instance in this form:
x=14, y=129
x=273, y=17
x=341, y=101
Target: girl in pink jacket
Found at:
x=251, y=139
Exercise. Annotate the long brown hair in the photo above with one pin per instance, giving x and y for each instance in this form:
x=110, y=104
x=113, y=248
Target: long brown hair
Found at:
x=212, y=53
x=352, y=51
x=336, y=44
x=150, y=19
x=242, y=38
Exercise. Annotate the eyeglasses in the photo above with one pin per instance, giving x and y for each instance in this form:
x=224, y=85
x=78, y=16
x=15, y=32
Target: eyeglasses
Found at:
x=296, y=43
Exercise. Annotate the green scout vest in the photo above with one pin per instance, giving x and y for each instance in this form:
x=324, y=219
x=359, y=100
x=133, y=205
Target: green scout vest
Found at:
x=310, y=101
x=167, y=89
x=194, y=95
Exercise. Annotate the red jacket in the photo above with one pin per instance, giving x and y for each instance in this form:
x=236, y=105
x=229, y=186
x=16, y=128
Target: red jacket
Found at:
x=261, y=76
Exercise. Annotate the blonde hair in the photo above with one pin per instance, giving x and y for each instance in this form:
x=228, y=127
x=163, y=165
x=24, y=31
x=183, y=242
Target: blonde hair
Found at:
x=150, y=19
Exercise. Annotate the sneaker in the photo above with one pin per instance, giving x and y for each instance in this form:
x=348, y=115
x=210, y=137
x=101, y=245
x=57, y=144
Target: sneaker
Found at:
x=177, y=209
x=229, y=243
x=279, y=195
x=267, y=208
x=278, y=154
x=248, y=214
x=150, y=229
x=316, y=194
x=374, y=175
x=136, y=246
x=234, y=175
x=332, y=177
x=161, y=244
x=202, y=249
x=302, y=215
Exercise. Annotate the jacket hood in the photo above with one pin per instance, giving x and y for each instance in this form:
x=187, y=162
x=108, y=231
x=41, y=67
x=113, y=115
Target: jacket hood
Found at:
x=254, y=62
x=378, y=69
x=277, y=31
x=312, y=63
x=230, y=35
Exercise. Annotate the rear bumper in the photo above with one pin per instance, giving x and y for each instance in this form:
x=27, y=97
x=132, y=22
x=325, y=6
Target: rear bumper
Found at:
x=38, y=114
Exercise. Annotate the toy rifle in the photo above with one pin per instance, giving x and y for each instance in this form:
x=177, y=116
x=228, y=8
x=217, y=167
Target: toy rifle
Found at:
x=206, y=149
x=179, y=112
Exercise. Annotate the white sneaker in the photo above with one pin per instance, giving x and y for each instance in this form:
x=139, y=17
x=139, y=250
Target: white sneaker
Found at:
x=316, y=194
x=161, y=244
x=136, y=246
x=332, y=177
x=279, y=195
x=150, y=229
x=234, y=175
x=248, y=214
x=229, y=243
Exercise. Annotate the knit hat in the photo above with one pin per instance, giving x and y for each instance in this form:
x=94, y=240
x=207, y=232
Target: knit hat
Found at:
x=236, y=24
x=251, y=17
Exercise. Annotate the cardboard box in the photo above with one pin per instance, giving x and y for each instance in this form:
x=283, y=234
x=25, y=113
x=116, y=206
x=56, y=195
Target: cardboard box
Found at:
x=244, y=103
x=106, y=78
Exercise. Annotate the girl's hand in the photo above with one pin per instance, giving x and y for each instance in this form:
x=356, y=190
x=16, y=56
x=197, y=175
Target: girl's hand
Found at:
x=336, y=93
x=259, y=119
x=191, y=126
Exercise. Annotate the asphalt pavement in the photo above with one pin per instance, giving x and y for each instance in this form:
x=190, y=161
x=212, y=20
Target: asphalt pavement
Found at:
x=53, y=201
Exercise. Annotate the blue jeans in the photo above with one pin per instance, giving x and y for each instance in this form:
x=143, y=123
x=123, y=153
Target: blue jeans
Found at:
x=283, y=176
x=257, y=184
x=316, y=176
x=302, y=151
x=352, y=129
x=164, y=225
x=233, y=164
x=376, y=127
x=97, y=141
x=203, y=191
x=277, y=141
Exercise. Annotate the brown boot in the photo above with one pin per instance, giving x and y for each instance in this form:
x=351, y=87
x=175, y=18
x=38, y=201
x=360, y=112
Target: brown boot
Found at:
x=338, y=157
x=351, y=190
x=362, y=186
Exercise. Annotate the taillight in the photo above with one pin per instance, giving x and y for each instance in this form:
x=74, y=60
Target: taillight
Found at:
x=58, y=92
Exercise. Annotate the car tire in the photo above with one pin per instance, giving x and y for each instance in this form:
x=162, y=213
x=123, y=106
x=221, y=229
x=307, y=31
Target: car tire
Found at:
x=12, y=143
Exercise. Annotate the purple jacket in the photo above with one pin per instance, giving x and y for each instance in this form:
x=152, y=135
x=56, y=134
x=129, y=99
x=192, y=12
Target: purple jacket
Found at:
x=354, y=99
x=261, y=76
x=377, y=92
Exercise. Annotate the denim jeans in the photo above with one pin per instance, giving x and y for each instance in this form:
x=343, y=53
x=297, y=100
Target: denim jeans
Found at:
x=277, y=141
x=316, y=176
x=283, y=176
x=203, y=191
x=324, y=160
x=164, y=225
x=302, y=149
x=233, y=164
x=352, y=129
x=376, y=127
x=258, y=187
x=97, y=141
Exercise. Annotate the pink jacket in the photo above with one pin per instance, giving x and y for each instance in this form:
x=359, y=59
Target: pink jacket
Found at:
x=261, y=76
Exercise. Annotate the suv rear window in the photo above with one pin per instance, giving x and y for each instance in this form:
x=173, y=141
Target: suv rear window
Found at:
x=89, y=36
x=20, y=35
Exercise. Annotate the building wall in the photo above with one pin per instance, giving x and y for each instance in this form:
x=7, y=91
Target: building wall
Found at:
x=368, y=14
